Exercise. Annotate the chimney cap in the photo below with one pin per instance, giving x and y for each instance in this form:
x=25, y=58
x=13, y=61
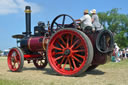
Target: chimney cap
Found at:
x=27, y=7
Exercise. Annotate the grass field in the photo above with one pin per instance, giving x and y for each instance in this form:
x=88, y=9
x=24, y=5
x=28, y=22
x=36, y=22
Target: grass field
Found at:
x=108, y=74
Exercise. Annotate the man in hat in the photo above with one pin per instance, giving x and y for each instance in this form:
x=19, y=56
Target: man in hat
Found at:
x=95, y=20
x=85, y=21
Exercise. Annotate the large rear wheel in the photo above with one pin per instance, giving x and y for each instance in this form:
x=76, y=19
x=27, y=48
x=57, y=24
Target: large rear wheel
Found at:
x=69, y=52
x=15, y=59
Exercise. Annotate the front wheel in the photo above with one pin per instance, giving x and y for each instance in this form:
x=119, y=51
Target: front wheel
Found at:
x=15, y=59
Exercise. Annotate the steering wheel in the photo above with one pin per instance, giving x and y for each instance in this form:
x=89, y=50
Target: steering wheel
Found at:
x=62, y=18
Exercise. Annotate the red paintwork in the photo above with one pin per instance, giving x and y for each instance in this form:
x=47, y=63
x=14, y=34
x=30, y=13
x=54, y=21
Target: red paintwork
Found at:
x=31, y=56
x=14, y=61
x=37, y=43
x=34, y=44
x=62, y=63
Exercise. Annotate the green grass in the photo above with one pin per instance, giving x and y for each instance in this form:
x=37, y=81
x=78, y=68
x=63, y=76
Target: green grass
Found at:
x=110, y=73
x=9, y=82
x=121, y=64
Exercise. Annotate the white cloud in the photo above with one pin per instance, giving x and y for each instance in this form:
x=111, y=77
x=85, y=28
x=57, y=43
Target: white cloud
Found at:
x=14, y=6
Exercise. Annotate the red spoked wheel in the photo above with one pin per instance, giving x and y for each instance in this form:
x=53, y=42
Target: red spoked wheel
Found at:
x=40, y=63
x=15, y=60
x=69, y=52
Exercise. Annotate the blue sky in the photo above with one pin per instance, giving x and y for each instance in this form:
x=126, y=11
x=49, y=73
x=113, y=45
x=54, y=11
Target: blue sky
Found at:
x=12, y=19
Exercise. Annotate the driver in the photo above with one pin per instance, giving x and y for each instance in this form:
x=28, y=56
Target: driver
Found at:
x=85, y=21
x=95, y=20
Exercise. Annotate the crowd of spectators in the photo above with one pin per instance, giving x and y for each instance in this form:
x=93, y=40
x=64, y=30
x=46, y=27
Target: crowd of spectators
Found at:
x=119, y=54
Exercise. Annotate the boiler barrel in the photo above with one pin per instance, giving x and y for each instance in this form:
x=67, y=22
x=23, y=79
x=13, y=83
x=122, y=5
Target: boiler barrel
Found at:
x=34, y=44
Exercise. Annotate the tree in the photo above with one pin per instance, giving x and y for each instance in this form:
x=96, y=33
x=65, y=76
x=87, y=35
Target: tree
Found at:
x=117, y=23
x=0, y=51
x=103, y=18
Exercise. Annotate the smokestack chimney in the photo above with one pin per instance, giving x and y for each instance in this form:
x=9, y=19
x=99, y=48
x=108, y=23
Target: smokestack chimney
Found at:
x=28, y=20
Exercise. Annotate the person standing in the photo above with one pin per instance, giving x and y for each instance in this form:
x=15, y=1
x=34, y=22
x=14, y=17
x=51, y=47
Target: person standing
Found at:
x=95, y=20
x=124, y=54
x=85, y=21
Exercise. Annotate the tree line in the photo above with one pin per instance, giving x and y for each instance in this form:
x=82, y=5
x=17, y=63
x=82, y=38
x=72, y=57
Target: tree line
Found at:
x=118, y=24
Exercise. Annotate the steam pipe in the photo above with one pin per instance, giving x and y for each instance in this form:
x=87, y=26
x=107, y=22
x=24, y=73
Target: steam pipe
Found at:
x=28, y=20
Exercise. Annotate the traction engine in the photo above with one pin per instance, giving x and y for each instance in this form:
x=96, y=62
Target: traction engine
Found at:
x=69, y=51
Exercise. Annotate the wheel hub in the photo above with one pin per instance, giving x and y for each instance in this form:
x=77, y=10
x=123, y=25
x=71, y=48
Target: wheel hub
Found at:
x=12, y=59
x=67, y=52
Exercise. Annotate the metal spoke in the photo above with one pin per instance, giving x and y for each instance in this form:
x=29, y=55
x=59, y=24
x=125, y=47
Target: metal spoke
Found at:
x=41, y=62
x=62, y=40
x=14, y=65
x=74, y=43
x=65, y=63
x=54, y=47
x=60, y=44
x=16, y=58
x=70, y=63
x=71, y=39
x=62, y=60
x=58, y=25
x=18, y=63
x=63, y=21
x=58, y=58
x=76, y=59
x=59, y=53
x=78, y=46
x=75, y=51
x=67, y=41
x=80, y=56
x=74, y=63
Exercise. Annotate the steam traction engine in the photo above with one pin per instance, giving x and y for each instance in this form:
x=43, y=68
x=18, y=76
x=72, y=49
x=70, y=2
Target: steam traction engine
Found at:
x=69, y=51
